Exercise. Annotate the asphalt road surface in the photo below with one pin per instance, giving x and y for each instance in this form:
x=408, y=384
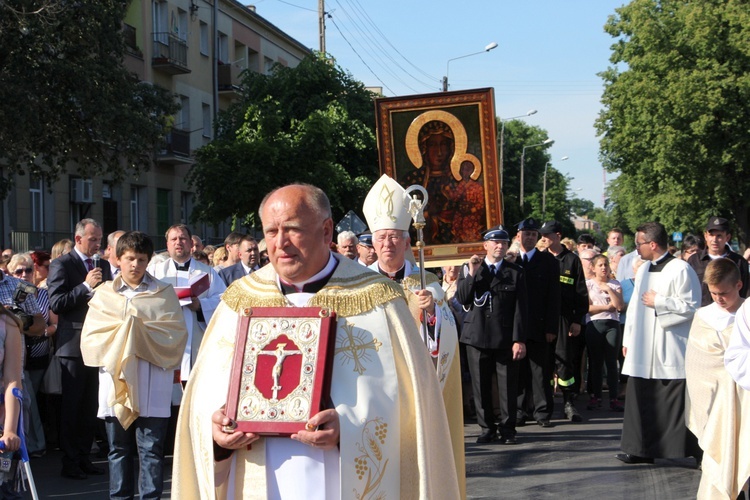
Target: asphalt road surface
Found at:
x=567, y=461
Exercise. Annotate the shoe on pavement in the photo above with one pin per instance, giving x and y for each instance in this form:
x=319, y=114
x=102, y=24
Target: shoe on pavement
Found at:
x=487, y=436
x=73, y=472
x=571, y=413
x=92, y=469
x=509, y=439
x=544, y=423
x=520, y=420
x=627, y=458
x=616, y=405
x=594, y=403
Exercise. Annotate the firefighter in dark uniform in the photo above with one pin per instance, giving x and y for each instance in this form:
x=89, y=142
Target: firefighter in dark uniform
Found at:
x=574, y=304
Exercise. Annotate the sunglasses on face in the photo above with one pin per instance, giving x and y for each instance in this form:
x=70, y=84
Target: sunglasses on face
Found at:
x=23, y=270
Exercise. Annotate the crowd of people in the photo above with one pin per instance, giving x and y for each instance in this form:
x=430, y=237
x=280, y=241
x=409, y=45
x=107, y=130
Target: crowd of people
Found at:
x=662, y=332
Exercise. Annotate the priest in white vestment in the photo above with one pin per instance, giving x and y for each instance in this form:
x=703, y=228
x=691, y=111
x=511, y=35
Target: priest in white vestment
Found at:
x=384, y=434
x=666, y=295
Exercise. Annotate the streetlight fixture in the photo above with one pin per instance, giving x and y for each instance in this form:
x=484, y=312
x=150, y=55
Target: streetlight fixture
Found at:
x=544, y=188
x=523, y=156
x=502, y=139
x=487, y=48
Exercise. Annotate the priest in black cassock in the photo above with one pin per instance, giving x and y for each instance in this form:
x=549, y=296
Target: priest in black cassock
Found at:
x=666, y=295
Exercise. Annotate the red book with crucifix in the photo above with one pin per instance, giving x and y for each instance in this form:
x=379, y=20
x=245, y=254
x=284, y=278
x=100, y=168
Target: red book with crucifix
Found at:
x=281, y=371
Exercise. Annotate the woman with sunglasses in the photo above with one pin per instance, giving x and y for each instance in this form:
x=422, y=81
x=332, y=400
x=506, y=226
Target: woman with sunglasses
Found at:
x=37, y=349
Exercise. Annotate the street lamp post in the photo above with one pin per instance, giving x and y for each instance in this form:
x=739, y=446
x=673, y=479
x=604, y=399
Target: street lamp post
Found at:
x=448, y=65
x=523, y=156
x=502, y=139
x=544, y=188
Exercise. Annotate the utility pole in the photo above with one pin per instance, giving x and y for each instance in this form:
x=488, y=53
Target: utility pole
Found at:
x=322, y=25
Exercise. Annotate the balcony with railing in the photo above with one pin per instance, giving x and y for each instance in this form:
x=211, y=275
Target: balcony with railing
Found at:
x=176, y=149
x=170, y=54
x=229, y=78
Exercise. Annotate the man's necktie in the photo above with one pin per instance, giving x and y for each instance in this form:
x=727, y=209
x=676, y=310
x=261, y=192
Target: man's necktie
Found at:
x=89, y=264
x=525, y=259
x=493, y=270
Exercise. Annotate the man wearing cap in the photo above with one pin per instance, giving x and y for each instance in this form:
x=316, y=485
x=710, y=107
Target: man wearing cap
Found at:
x=386, y=211
x=366, y=251
x=574, y=304
x=494, y=291
x=542, y=273
x=718, y=234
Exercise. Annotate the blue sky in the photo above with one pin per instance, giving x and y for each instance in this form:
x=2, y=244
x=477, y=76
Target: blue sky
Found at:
x=548, y=56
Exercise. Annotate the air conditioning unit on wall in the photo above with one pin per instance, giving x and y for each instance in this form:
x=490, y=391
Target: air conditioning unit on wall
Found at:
x=81, y=191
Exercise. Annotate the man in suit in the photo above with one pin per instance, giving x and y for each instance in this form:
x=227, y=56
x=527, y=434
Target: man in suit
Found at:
x=542, y=273
x=71, y=281
x=248, y=263
x=494, y=290
x=111, y=252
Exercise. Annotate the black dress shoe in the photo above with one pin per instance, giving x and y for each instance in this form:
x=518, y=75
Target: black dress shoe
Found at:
x=627, y=458
x=509, y=439
x=92, y=469
x=520, y=420
x=487, y=437
x=544, y=423
x=73, y=472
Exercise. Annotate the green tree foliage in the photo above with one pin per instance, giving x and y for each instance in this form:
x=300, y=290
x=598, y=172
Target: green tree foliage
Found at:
x=675, y=121
x=517, y=135
x=66, y=96
x=312, y=123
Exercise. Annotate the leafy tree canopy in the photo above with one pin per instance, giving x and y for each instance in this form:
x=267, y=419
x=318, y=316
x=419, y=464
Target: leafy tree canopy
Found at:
x=312, y=123
x=675, y=121
x=66, y=95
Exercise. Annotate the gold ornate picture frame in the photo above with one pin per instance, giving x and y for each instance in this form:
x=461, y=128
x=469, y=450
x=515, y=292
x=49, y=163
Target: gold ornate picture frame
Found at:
x=445, y=142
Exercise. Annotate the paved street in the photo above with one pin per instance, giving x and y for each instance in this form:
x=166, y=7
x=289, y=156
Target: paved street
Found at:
x=568, y=461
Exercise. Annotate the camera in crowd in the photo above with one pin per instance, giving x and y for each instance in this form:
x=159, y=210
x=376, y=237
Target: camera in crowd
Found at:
x=20, y=294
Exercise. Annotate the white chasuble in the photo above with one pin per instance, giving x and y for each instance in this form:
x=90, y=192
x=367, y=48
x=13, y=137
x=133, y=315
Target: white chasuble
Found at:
x=393, y=428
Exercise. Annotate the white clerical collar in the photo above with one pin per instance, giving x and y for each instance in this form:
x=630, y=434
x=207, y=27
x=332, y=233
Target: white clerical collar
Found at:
x=656, y=261
x=328, y=269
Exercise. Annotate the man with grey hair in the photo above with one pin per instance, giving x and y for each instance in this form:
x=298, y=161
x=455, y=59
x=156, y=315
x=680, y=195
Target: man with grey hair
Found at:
x=71, y=280
x=347, y=244
x=111, y=251
x=372, y=401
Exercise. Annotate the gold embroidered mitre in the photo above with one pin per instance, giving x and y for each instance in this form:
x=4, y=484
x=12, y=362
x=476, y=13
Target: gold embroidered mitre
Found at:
x=386, y=206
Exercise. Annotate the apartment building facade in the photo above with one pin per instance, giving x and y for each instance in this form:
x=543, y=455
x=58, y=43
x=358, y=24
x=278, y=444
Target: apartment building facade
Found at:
x=194, y=48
